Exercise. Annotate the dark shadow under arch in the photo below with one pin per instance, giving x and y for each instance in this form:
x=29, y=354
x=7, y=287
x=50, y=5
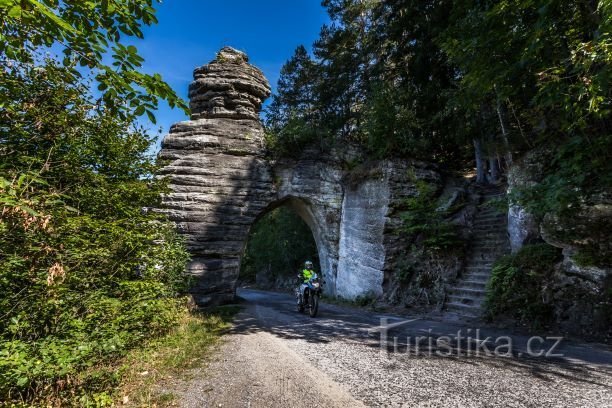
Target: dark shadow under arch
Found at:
x=304, y=209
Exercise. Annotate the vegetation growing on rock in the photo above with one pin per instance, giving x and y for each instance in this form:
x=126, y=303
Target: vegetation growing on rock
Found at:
x=518, y=282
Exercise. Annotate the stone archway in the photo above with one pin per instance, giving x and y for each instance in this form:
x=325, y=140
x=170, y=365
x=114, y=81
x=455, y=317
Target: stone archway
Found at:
x=220, y=183
x=319, y=228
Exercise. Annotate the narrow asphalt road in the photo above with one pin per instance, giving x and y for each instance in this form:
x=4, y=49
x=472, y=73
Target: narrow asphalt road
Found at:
x=345, y=357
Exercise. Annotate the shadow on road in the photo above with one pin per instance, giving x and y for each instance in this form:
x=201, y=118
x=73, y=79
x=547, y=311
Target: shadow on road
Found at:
x=276, y=313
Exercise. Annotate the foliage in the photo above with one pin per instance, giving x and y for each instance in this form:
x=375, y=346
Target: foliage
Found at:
x=423, y=220
x=428, y=79
x=368, y=84
x=278, y=245
x=86, y=271
x=186, y=346
x=136, y=376
x=517, y=284
x=88, y=33
x=547, y=66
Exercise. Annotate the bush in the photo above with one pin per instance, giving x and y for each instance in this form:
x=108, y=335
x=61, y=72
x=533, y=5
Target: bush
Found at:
x=86, y=272
x=424, y=221
x=517, y=283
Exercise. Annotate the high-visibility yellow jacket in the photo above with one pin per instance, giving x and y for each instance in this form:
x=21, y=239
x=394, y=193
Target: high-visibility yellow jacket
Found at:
x=307, y=274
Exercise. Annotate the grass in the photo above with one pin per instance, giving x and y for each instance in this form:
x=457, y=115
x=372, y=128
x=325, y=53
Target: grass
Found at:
x=132, y=381
x=187, y=347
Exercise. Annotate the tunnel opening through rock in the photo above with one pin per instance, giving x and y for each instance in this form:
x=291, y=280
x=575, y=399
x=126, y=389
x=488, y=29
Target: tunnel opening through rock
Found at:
x=278, y=244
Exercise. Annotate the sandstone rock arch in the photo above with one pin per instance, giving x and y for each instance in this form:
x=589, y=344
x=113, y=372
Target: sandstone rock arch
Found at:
x=221, y=183
x=320, y=229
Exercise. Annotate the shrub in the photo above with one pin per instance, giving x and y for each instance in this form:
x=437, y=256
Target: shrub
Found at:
x=86, y=273
x=424, y=221
x=517, y=282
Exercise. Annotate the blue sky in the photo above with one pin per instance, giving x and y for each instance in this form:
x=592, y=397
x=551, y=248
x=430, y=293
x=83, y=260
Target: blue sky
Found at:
x=190, y=32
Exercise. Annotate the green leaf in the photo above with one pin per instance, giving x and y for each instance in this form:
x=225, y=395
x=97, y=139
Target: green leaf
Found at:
x=151, y=117
x=15, y=11
x=56, y=19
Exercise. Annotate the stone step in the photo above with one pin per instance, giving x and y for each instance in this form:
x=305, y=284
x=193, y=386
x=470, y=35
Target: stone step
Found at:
x=494, y=242
x=467, y=299
x=486, y=253
x=467, y=292
x=479, y=258
x=490, y=210
x=487, y=237
x=487, y=223
x=477, y=269
x=501, y=234
x=497, y=220
x=490, y=214
x=473, y=284
x=463, y=309
x=486, y=245
x=478, y=276
x=488, y=228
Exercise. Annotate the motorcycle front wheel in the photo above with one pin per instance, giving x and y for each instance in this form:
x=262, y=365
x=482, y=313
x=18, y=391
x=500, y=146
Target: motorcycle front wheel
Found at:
x=314, y=305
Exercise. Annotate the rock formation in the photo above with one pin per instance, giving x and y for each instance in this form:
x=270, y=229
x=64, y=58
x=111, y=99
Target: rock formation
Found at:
x=221, y=184
x=580, y=289
x=219, y=179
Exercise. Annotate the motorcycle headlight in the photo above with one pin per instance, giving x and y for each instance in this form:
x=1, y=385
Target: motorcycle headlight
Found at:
x=315, y=284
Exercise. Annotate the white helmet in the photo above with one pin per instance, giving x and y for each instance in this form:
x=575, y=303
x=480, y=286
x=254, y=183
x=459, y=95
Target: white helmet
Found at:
x=308, y=265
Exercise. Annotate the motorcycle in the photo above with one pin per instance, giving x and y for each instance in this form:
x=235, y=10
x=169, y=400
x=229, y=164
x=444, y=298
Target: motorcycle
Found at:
x=310, y=299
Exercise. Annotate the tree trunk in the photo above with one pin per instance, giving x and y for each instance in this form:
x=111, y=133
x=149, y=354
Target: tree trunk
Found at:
x=481, y=171
x=494, y=169
x=504, y=131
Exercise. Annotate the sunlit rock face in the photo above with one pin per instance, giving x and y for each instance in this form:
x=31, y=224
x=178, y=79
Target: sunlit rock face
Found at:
x=218, y=177
x=221, y=183
x=228, y=87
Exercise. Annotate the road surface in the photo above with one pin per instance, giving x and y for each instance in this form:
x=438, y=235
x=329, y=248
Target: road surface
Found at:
x=345, y=357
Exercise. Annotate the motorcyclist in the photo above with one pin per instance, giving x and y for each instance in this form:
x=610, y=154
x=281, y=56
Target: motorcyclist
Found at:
x=304, y=276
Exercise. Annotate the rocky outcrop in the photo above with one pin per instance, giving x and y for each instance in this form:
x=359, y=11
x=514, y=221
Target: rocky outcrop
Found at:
x=523, y=228
x=218, y=177
x=228, y=87
x=580, y=290
x=221, y=183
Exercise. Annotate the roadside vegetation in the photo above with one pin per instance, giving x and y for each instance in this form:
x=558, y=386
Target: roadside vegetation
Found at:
x=518, y=283
x=88, y=270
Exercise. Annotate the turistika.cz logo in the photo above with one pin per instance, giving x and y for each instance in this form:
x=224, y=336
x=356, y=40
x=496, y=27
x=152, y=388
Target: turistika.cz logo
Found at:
x=466, y=342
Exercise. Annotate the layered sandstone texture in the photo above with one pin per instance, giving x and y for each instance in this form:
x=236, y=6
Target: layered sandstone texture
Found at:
x=221, y=184
x=218, y=178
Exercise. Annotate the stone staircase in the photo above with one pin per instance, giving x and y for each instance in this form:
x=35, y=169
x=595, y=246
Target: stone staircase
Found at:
x=489, y=242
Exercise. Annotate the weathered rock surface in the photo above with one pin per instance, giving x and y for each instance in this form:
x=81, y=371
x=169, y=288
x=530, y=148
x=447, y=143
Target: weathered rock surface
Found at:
x=221, y=184
x=580, y=292
x=523, y=228
x=219, y=180
x=228, y=87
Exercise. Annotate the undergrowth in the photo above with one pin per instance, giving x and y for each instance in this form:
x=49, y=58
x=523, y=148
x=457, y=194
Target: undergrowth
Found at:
x=132, y=379
x=517, y=282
